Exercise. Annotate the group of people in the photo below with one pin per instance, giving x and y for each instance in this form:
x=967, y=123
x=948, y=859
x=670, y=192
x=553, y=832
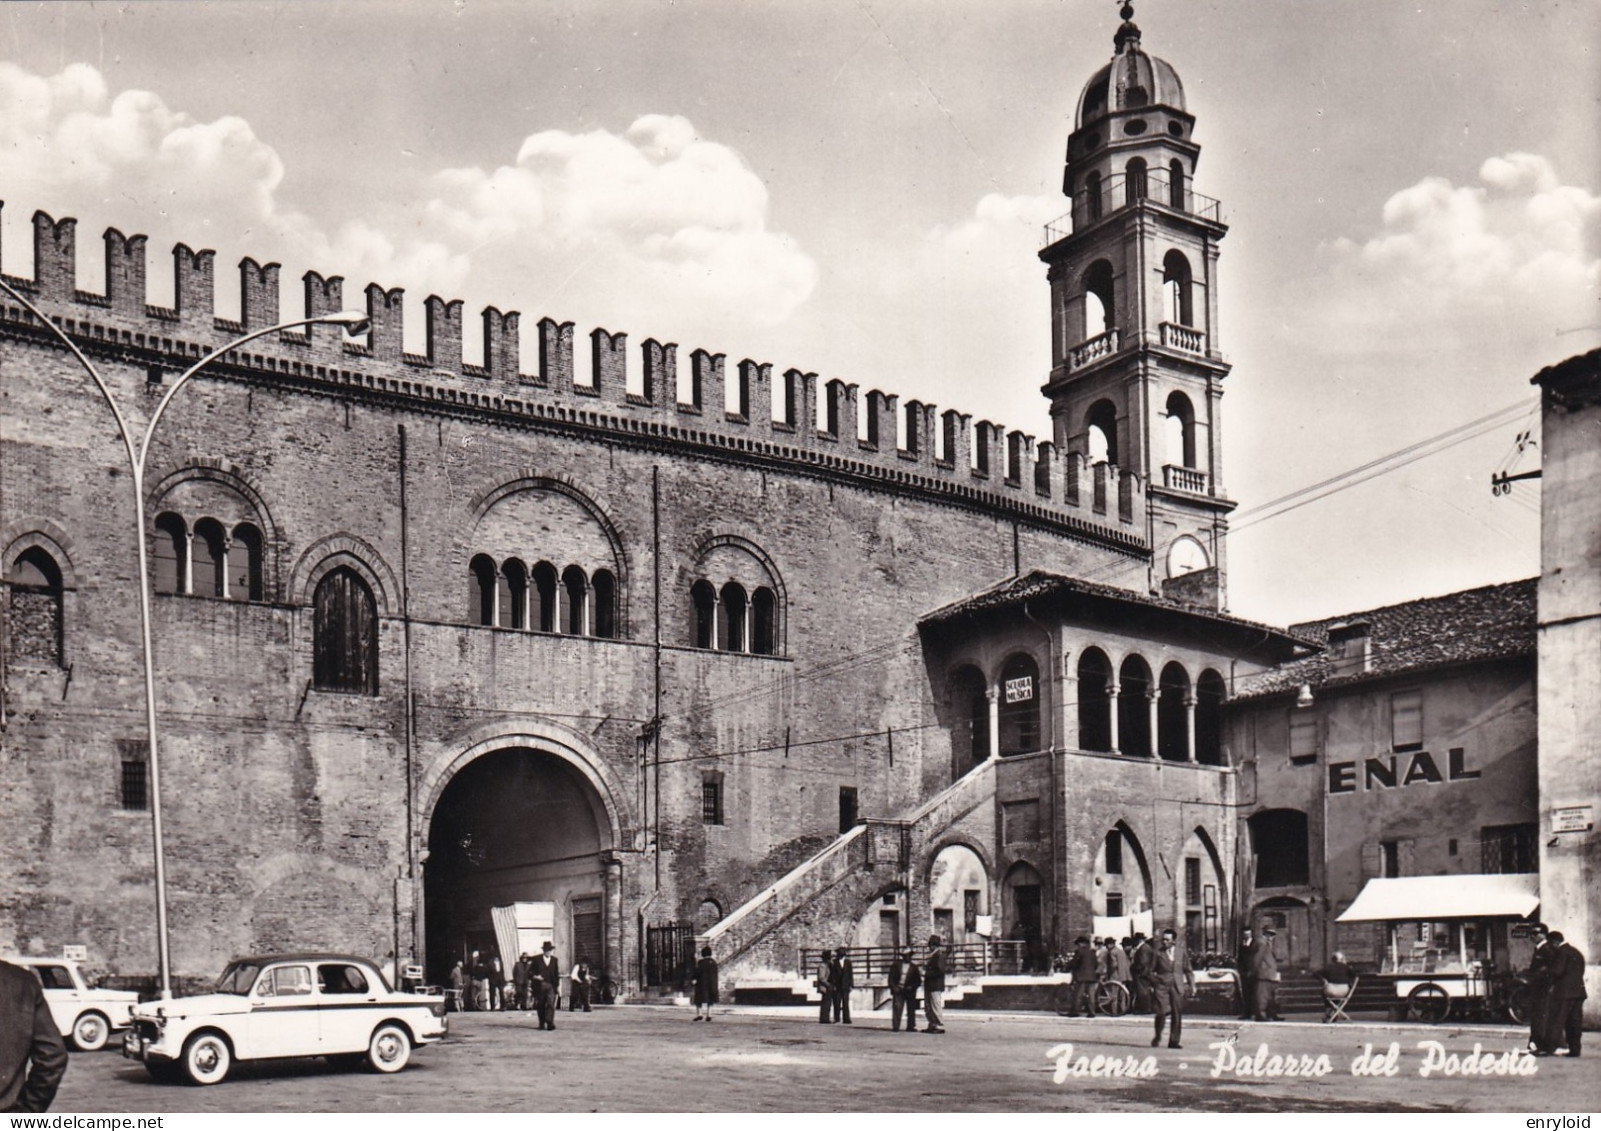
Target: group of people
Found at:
x=1557, y=993
x=1155, y=973
x=480, y=985
x=1097, y=962
x=1256, y=970
x=836, y=978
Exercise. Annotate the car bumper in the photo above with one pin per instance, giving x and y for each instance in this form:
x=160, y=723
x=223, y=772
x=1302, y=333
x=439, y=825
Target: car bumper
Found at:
x=144, y=1048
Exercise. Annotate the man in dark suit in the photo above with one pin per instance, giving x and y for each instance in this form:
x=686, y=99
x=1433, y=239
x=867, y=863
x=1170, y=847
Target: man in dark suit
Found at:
x=844, y=983
x=1086, y=976
x=544, y=978
x=905, y=979
x=934, y=987
x=1564, y=1020
x=1265, y=970
x=1171, y=982
x=1244, y=970
x=1140, y=970
x=32, y=1056
x=825, y=986
x=1539, y=976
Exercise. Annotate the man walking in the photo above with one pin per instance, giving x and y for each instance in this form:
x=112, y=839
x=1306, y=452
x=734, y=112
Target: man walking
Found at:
x=544, y=978
x=1540, y=980
x=1140, y=971
x=32, y=1056
x=1171, y=982
x=844, y=983
x=519, y=980
x=904, y=981
x=934, y=986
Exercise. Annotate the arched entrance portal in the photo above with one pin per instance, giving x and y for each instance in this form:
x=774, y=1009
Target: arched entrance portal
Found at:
x=515, y=825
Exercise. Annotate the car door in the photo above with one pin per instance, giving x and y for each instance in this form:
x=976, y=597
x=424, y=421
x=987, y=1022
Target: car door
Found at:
x=347, y=1000
x=283, y=1014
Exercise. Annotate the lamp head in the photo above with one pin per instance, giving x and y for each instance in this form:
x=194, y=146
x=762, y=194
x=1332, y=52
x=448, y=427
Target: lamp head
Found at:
x=354, y=321
x=1303, y=699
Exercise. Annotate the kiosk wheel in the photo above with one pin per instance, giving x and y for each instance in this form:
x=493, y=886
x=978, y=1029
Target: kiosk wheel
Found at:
x=1429, y=1002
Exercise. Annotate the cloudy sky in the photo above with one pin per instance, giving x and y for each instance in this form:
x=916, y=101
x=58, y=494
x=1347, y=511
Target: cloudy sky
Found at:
x=857, y=187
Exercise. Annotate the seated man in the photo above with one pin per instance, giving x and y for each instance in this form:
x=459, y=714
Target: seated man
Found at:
x=1337, y=979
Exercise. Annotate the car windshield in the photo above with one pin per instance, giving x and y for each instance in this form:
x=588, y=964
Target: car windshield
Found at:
x=238, y=978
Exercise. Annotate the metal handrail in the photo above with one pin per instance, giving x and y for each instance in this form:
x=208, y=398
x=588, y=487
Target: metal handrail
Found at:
x=1116, y=195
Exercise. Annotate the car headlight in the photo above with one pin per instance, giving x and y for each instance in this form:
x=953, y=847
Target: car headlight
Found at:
x=437, y=1008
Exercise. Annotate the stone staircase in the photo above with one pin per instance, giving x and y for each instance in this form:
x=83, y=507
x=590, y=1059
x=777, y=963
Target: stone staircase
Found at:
x=758, y=943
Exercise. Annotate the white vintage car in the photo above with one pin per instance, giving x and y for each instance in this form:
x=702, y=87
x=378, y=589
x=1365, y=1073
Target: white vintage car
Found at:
x=283, y=1005
x=85, y=1016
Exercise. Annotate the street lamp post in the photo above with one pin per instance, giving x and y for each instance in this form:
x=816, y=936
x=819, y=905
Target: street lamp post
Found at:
x=354, y=322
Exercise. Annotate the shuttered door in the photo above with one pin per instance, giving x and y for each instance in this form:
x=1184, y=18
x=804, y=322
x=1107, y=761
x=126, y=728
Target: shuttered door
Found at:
x=346, y=629
x=588, y=933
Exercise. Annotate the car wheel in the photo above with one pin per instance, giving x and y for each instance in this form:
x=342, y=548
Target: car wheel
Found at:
x=91, y=1031
x=207, y=1058
x=390, y=1048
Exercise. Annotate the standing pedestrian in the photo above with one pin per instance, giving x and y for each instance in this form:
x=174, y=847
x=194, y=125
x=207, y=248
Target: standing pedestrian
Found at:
x=934, y=986
x=1120, y=970
x=825, y=986
x=459, y=983
x=581, y=981
x=1139, y=971
x=1086, y=977
x=844, y=983
x=519, y=980
x=32, y=1056
x=1540, y=980
x=1265, y=971
x=1244, y=973
x=544, y=978
x=905, y=979
x=1564, y=1019
x=497, y=984
x=476, y=982
x=1172, y=982
x=705, y=983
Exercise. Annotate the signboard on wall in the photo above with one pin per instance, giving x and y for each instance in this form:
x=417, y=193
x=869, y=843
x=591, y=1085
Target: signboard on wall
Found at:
x=75, y=953
x=1020, y=690
x=1573, y=819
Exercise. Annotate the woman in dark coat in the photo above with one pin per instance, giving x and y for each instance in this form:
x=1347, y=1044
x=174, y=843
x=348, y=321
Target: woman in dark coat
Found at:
x=705, y=983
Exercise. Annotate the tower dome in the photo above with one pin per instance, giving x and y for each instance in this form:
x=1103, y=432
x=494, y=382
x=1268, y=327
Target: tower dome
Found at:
x=1133, y=79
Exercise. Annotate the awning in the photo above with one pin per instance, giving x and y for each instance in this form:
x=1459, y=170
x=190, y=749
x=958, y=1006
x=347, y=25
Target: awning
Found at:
x=1413, y=898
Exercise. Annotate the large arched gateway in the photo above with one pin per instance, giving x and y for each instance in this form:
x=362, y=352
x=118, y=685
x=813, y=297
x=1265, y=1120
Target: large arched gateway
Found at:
x=517, y=825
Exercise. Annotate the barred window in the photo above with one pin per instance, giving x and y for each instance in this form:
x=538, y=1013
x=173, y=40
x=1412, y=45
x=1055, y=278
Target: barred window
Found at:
x=345, y=650
x=133, y=792
x=711, y=801
x=1508, y=848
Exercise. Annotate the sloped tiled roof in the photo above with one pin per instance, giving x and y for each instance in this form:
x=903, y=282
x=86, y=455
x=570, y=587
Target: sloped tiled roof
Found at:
x=1493, y=622
x=1042, y=587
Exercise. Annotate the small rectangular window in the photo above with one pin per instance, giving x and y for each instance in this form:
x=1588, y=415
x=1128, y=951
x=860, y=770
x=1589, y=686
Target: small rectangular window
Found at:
x=970, y=910
x=847, y=808
x=1114, y=853
x=1192, y=880
x=133, y=792
x=1114, y=905
x=1390, y=853
x=1406, y=721
x=1303, y=738
x=711, y=801
x=1509, y=848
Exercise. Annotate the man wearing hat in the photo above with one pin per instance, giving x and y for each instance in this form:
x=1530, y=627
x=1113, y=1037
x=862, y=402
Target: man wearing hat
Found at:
x=1265, y=969
x=544, y=976
x=905, y=979
x=934, y=986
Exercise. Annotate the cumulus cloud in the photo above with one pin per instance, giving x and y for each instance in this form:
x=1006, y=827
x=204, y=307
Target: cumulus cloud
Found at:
x=1519, y=249
x=679, y=220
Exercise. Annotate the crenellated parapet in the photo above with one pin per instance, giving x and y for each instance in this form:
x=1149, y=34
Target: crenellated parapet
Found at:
x=744, y=410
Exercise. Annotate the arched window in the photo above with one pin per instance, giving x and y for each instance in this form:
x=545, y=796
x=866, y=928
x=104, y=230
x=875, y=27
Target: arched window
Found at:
x=970, y=719
x=575, y=601
x=1134, y=181
x=604, y=587
x=209, y=545
x=513, y=594
x=170, y=558
x=1180, y=430
x=1177, y=281
x=1020, y=706
x=1134, y=708
x=705, y=599
x=1100, y=306
x=36, y=592
x=763, y=622
x=345, y=628
x=545, y=593
x=1209, y=693
x=1094, y=701
x=731, y=618
x=1101, y=425
x=1093, y=206
x=1175, y=184
x=481, y=599
x=1172, y=716
x=244, y=564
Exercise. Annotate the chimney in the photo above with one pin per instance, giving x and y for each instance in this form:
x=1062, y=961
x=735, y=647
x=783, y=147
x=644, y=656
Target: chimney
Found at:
x=1350, y=648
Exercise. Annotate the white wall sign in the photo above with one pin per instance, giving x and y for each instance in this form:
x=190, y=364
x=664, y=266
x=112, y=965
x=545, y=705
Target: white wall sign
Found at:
x=1020, y=690
x=75, y=953
x=1573, y=819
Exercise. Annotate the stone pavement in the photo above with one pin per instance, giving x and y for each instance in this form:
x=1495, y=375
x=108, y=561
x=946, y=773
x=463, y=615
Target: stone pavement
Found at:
x=649, y=1058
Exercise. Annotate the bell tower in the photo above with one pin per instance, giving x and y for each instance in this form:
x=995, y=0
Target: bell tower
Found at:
x=1136, y=372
